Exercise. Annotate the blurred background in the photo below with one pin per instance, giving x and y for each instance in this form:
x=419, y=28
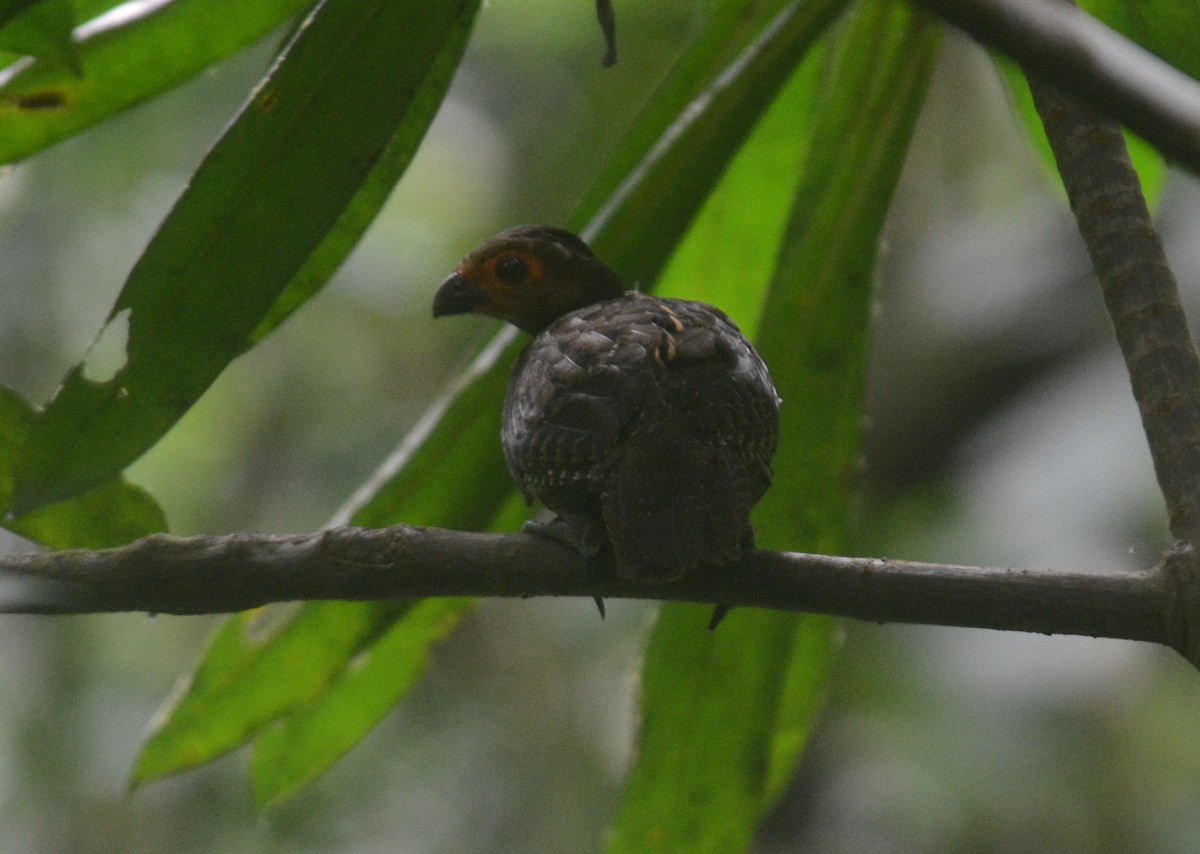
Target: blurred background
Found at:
x=1002, y=432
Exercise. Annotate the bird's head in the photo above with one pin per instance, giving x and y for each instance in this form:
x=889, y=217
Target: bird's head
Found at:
x=529, y=276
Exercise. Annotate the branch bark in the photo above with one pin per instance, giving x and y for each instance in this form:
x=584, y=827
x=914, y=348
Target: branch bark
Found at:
x=1067, y=46
x=202, y=575
x=1139, y=291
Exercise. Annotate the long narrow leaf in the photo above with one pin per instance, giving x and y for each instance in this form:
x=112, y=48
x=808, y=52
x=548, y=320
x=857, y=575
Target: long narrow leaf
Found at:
x=257, y=666
x=317, y=735
x=725, y=715
x=258, y=207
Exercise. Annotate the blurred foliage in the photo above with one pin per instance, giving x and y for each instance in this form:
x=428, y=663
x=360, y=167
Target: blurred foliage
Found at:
x=743, y=153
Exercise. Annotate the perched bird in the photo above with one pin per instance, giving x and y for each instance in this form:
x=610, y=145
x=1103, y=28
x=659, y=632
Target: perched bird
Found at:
x=647, y=424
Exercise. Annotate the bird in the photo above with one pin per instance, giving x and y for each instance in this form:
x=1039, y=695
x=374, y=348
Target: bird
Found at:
x=646, y=423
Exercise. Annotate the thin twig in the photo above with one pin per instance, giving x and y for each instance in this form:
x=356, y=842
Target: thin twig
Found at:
x=201, y=575
x=1065, y=45
x=1139, y=290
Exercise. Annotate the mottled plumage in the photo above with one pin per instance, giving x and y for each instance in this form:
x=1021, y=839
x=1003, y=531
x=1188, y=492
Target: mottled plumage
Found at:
x=645, y=423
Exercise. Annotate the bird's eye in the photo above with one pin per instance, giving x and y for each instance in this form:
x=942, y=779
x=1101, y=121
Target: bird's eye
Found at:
x=511, y=270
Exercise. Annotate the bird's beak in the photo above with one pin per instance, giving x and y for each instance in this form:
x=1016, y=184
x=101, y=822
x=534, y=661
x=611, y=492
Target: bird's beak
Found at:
x=457, y=295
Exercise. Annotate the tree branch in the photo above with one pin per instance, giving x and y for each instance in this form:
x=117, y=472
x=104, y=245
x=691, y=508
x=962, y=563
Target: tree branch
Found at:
x=201, y=575
x=1067, y=46
x=1139, y=291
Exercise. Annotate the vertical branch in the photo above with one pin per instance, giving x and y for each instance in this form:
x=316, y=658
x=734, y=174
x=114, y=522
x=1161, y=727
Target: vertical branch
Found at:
x=1139, y=290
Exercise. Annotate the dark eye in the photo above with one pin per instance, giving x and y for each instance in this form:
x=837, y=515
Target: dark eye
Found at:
x=511, y=270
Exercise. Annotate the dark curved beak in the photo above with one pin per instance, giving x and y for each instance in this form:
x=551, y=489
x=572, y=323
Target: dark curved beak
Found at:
x=457, y=295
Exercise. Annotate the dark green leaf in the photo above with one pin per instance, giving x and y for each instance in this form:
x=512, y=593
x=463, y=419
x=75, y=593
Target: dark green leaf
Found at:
x=307, y=141
x=10, y=9
x=1165, y=27
x=16, y=417
x=127, y=60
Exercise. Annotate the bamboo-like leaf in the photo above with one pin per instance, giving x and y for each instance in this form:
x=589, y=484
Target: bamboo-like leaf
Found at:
x=724, y=716
x=257, y=666
x=316, y=735
x=306, y=142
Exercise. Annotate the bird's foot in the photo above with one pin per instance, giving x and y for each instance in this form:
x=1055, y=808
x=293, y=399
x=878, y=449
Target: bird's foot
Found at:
x=559, y=531
x=556, y=529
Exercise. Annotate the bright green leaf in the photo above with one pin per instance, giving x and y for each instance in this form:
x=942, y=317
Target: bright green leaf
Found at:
x=723, y=725
x=259, y=665
x=818, y=313
x=307, y=141
x=112, y=514
x=705, y=745
x=316, y=735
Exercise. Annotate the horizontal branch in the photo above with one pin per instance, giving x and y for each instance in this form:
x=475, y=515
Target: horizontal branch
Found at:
x=1066, y=46
x=203, y=575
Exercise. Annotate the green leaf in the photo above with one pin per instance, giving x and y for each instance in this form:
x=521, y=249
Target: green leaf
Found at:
x=317, y=734
x=706, y=738
x=127, y=60
x=306, y=142
x=16, y=417
x=259, y=665
x=640, y=225
x=725, y=716
x=814, y=331
x=112, y=514
x=44, y=30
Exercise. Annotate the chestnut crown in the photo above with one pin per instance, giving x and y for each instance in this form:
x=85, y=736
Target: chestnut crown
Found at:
x=530, y=276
